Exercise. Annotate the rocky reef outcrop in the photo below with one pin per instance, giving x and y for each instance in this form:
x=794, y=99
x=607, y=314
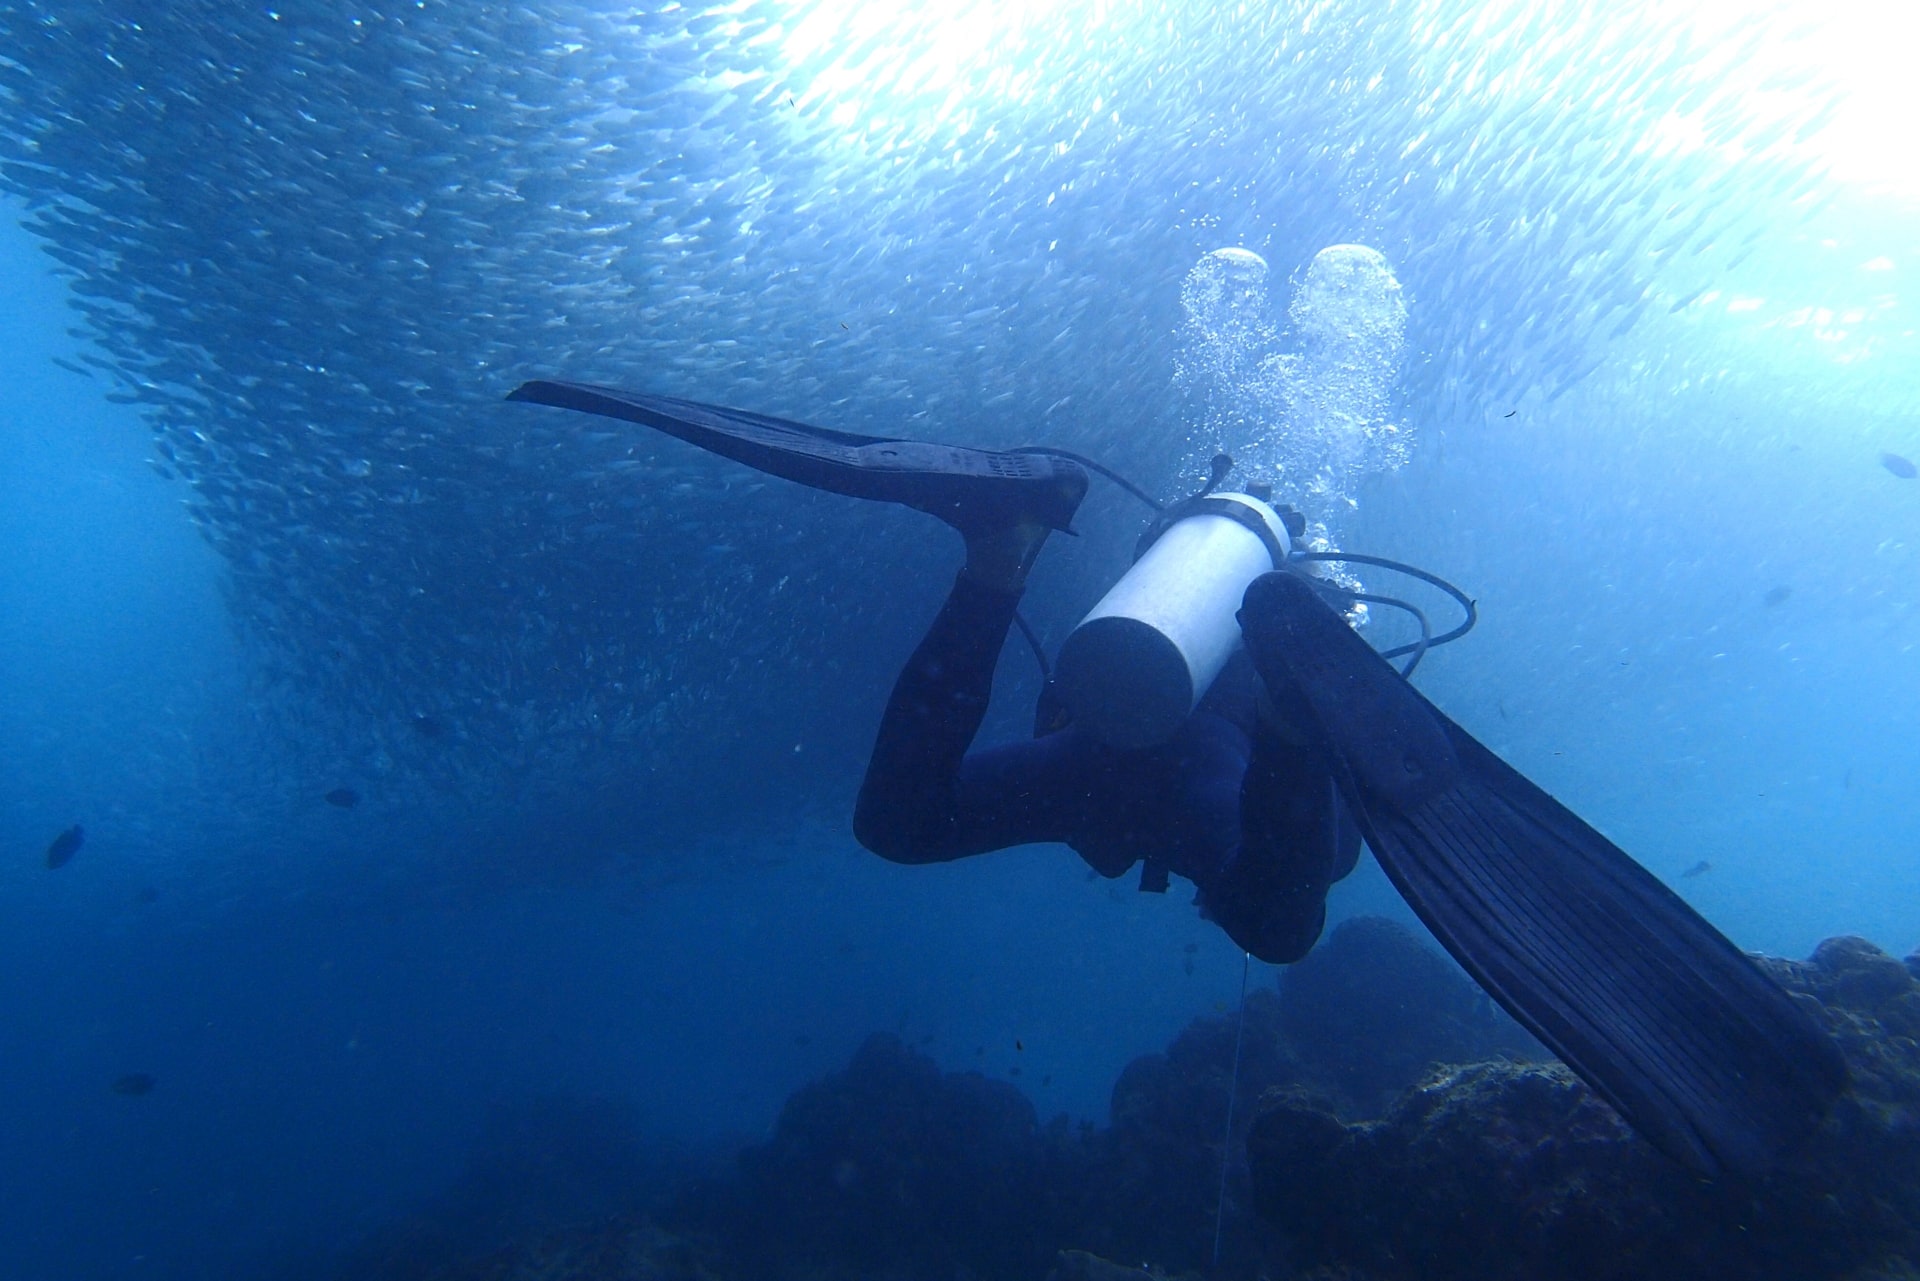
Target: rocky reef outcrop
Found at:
x=893, y=1167
x=1498, y=1170
x=1393, y=1126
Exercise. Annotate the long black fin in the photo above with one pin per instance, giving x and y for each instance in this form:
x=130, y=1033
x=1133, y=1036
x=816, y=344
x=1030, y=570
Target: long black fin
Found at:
x=1699, y=1050
x=964, y=487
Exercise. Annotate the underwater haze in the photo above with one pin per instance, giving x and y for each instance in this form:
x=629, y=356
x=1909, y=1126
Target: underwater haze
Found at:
x=463, y=782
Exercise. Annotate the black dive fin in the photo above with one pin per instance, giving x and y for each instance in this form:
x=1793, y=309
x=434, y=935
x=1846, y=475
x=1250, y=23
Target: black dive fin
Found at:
x=1654, y=1008
x=967, y=488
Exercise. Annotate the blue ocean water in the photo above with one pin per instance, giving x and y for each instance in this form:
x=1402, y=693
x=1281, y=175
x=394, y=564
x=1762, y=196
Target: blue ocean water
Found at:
x=270, y=530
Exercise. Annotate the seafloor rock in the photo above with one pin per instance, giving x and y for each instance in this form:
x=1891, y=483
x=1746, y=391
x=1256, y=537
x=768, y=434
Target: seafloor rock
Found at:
x=895, y=1168
x=1152, y=1182
x=1507, y=1171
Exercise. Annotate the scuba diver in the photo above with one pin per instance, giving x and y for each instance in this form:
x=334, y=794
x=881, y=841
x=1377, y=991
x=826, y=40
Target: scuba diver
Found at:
x=1218, y=717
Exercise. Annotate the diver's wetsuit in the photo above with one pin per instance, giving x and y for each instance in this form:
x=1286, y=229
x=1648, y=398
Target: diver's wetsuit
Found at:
x=1253, y=821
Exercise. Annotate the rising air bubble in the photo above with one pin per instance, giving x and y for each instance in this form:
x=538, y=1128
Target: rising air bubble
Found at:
x=1310, y=412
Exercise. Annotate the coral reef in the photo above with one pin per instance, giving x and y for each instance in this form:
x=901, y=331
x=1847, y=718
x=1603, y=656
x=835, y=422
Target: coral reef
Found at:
x=1480, y=1164
x=1153, y=1178
x=1354, y=1024
x=892, y=1167
x=1503, y=1170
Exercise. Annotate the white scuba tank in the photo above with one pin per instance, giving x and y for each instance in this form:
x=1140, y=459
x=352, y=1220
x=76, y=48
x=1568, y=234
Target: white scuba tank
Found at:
x=1141, y=659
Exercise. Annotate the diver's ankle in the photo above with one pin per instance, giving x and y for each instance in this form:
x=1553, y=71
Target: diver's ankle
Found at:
x=1001, y=558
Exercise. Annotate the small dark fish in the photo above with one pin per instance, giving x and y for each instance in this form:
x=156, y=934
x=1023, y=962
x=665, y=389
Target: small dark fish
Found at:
x=345, y=797
x=1775, y=595
x=1510, y=413
x=65, y=846
x=134, y=1084
x=1020, y=1047
x=1697, y=869
x=429, y=727
x=1899, y=466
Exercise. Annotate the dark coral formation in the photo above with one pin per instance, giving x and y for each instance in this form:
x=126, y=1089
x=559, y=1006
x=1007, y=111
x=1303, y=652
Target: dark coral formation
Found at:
x=1492, y=1168
x=1153, y=1177
x=892, y=1167
x=1355, y=1023
x=1500, y=1170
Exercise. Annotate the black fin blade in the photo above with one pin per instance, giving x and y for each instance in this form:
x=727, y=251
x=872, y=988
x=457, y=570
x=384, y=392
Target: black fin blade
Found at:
x=1698, y=1049
x=794, y=451
x=959, y=485
x=1654, y=1008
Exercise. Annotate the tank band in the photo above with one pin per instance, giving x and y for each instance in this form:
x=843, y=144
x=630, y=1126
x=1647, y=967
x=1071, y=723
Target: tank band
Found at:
x=1214, y=505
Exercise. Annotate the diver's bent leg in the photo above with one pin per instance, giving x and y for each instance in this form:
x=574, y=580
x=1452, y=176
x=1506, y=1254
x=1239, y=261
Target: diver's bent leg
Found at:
x=907, y=809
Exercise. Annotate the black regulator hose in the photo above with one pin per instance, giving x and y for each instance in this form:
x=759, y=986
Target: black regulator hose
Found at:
x=1419, y=648
x=1093, y=466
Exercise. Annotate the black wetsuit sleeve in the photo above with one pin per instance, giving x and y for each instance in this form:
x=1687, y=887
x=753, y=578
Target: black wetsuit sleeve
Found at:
x=925, y=799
